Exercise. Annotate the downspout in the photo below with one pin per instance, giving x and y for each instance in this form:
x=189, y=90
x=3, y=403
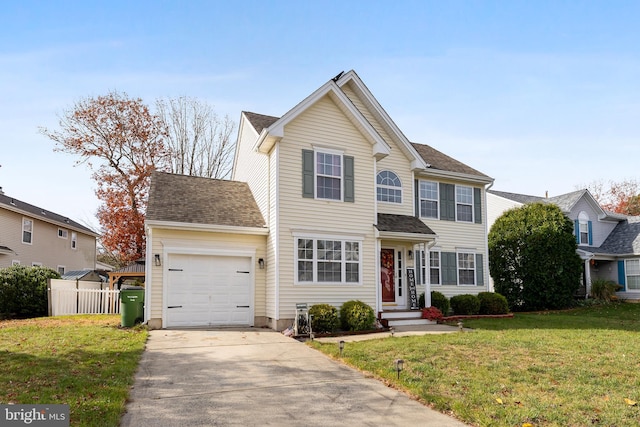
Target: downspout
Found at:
x=147, y=277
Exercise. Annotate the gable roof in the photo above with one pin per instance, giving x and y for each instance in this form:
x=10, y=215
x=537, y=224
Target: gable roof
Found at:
x=440, y=161
x=197, y=200
x=259, y=121
x=18, y=206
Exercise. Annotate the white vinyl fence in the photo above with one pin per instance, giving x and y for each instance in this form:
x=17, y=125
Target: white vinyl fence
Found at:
x=71, y=297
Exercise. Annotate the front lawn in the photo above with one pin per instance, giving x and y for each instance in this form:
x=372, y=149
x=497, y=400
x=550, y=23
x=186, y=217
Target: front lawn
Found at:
x=571, y=368
x=87, y=362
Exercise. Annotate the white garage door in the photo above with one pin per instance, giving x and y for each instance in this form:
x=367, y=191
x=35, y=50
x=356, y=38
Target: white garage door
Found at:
x=205, y=290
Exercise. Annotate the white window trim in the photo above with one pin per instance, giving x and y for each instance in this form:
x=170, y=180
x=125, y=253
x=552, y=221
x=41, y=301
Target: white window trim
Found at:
x=74, y=240
x=63, y=267
x=475, y=270
x=390, y=188
x=15, y=262
x=343, y=261
x=437, y=199
x=63, y=234
x=465, y=204
x=583, y=220
x=627, y=275
x=438, y=251
x=334, y=152
x=23, y=230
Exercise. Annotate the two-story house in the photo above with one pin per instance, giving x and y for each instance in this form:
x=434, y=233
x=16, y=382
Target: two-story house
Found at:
x=32, y=236
x=328, y=203
x=608, y=243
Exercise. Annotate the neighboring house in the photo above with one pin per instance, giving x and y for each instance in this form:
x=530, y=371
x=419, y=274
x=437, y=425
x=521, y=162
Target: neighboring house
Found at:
x=31, y=236
x=328, y=203
x=608, y=243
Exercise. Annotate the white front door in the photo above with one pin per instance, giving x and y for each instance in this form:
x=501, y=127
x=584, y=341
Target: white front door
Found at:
x=393, y=286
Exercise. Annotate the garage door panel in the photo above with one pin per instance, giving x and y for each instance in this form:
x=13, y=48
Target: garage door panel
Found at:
x=209, y=290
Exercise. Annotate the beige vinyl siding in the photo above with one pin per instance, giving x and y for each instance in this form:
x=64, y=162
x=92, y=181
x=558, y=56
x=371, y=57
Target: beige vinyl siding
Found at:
x=252, y=167
x=202, y=240
x=397, y=163
x=46, y=248
x=323, y=124
x=456, y=236
x=272, y=261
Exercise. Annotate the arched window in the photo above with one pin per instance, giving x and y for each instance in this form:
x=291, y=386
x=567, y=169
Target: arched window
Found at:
x=583, y=226
x=389, y=187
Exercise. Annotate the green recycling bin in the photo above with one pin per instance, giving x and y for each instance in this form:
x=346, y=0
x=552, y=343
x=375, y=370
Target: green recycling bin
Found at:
x=131, y=305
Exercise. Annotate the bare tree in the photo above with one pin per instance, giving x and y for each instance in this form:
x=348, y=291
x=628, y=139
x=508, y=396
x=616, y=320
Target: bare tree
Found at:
x=200, y=141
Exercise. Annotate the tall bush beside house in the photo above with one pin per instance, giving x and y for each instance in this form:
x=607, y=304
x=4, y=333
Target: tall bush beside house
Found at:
x=465, y=305
x=324, y=318
x=493, y=303
x=356, y=316
x=23, y=290
x=533, y=259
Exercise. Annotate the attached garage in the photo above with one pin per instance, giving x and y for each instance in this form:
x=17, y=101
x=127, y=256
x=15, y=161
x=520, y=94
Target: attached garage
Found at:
x=209, y=290
x=206, y=252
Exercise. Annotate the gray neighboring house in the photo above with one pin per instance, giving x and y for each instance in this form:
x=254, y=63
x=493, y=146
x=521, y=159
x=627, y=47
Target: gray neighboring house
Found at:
x=30, y=235
x=608, y=243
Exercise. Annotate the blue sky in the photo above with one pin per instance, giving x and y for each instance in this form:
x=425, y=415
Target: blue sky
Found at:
x=542, y=96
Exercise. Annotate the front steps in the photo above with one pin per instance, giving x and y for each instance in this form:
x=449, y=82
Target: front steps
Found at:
x=395, y=318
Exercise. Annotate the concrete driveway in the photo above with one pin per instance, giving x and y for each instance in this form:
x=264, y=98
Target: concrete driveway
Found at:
x=259, y=377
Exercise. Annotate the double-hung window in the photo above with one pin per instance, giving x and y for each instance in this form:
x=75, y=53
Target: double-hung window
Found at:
x=464, y=203
x=388, y=187
x=74, y=240
x=434, y=267
x=632, y=269
x=325, y=260
x=466, y=268
x=328, y=175
x=62, y=233
x=429, y=199
x=27, y=231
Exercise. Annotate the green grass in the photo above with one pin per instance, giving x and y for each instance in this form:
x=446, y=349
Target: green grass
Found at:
x=87, y=362
x=571, y=368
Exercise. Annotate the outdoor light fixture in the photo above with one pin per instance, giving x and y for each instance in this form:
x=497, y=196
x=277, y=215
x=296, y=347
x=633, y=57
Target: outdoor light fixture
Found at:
x=341, y=345
x=399, y=366
x=156, y=258
x=261, y=263
x=410, y=254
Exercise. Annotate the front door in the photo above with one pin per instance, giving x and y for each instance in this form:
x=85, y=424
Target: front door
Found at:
x=392, y=286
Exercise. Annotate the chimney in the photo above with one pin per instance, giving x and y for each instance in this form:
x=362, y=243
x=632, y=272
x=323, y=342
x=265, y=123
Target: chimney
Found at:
x=546, y=194
x=1, y=192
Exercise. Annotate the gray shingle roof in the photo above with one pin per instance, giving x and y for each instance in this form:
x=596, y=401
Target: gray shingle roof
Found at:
x=441, y=161
x=196, y=200
x=259, y=121
x=14, y=204
x=402, y=224
x=520, y=198
x=624, y=239
x=566, y=201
